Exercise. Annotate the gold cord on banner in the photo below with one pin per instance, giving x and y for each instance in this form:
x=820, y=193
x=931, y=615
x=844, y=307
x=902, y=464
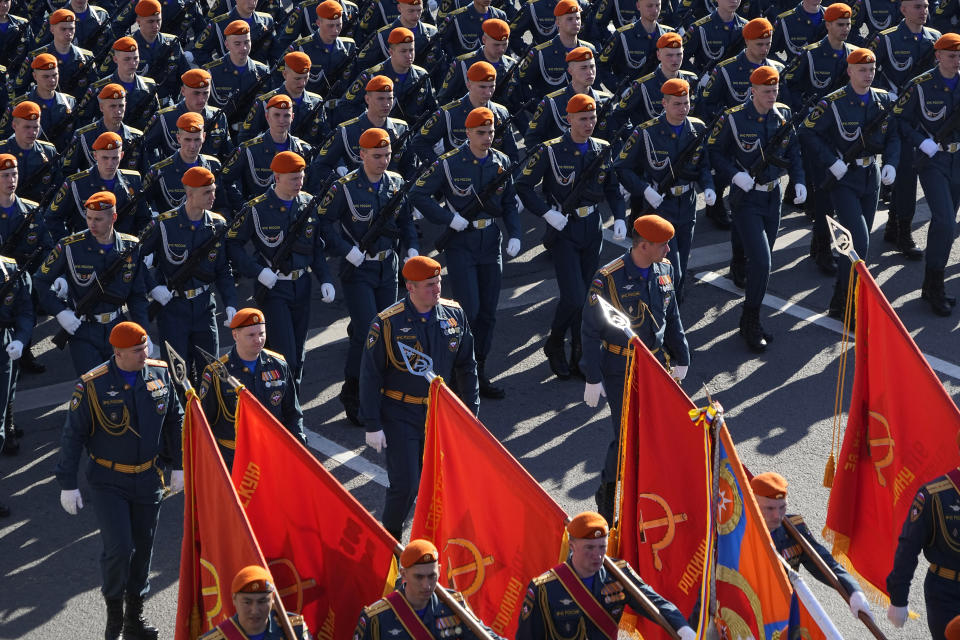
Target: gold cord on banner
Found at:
x=835, y=438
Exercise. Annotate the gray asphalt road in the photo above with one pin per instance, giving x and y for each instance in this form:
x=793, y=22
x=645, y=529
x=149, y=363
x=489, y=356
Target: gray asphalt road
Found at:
x=779, y=408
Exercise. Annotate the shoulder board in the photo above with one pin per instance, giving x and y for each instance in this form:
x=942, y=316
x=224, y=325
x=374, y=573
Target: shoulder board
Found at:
x=167, y=215
x=553, y=141
x=450, y=105
x=879, y=91
x=696, y=120
x=394, y=175
x=216, y=216
x=29, y=203
x=603, y=94
x=466, y=56
x=702, y=21
x=376, y=608
x=167, y=109
x=214, y=63
x=687, y=74
x=275, y=355
x=416, y=67
x=643, y=79
x=312, y=95
x=457, y=11
x=47, y=146
x=610, y=267
x=600, y=141
x=80, y=235
x=795, y=519
x=347, y=123
x=76, y=176
x=544, y=578
x=85, y=52
x=889, y=30
x=392, y=310
x=96, y=372
x=543, y=45
x=8, y=260
x=214, y=634
x=135, y=131
x=449, y=302
x=836, y=95
x=263, y=14
x=350, y=177
x=620, y=563
x=346, y=39
x=781, y=105
x=295, y=619
x=727, y=61
x=556, y=94
x=157, y=363
x=450, y=154
x=811, y=46
x=87, y=128
x=734, y=109
x=163, y=163
x=391, y=121
x=101, y=82
x=251, y=141
x=223, y=358
x=260, y=198
x=221, y=17
x=39, y=50
x=787, y=13
x=128, y=237
x=209, y=158
x=923, y=77
x=938, y=485
x=130, y=172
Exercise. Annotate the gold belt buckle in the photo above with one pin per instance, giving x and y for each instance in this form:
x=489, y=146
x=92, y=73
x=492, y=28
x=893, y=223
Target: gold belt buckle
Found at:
x=481, y=224
x=678, y=191
x=953, y=147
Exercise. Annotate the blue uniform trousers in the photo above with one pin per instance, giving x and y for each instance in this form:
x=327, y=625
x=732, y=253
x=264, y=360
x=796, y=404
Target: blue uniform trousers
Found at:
x=474, y=271
x=403, y=426
x=613, y=387
x=287, y=310
x=756, y=218
x=855, y=201
x=942, y=599
x=574, y=264
x=8, y=381
x=371, y=288
x=903, y=203
x=187, y=324
x=942, y=191
x=90, y=345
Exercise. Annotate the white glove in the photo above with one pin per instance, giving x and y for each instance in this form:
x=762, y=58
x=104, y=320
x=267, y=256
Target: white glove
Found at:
x=654, y=198
x=838, y=169
x=71, y=501
x=743, y=180
x=148, y=261
x=888, y=174
x=929, y=147
x=519, y=203
x=152, y=351
x=69, y=321
x=432, y=6
x=686, y=633
x=355, y=256
x=619, y=229
x=897, y=615
x=411, y=253
x=189, y=56
x=623, y=192
x=801, y=191
x=859, y=603
x=416, y=214
x=229, y=312
x=161, y=294
x=710, y=197
x=267, y=278
x=327, y=292
x=592, y=393
x=704, y=79
x=555, y=219
x=438, y=147
x=513, y=247
x=15, y=349
x=176, y=481
x=60, y=288
x=377, y=440
x=459, y=223
x=342, y=171
x=679, y=371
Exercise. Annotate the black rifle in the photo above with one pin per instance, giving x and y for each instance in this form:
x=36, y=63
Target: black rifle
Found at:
x=735, y=45
x=336, y=79
x=19, y=271
x=412, y=93
x=282, y=254
x=400, y=146
x=303, y=122
x=587, y=175
x=949, y=126
x=10, y=244
x=856, y=149
x=16, y=60
x=503, y=84
x=185, y=271
x=37, y=176
x=131, y=204
x=95, y=292
x=73, y=82
x=763, y=159
x=677, y=163
x=102, y=51
x=239, y=102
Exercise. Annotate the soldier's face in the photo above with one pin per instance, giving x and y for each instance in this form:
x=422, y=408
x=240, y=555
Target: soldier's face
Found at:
x=195, y=99
x=250, y=341
x=294, y=81
x=730, y=6
x=113, y=110
x=201, y=197
x=482, y=5
x=108, y=161
x=289, y=183
x=425, y=294
x=238, y=47
x=765, y=96
x=149, y=26
x=246, y=7
x=481, y=91
x=670, y=58
x=915, y=11
x=420, y=580
x=587, y=554
x=63, y=32
x=100, y=223
x=495, y=48
x=47, y=79
x=279, y=119
x=329, y=29
x=379, y=103
x=582, y=124
x=4, y=7
x=481, y=138
x=376, y=161
x=583, y=72
x=8, y=181
x=127, y=61
x=839, y=29
x=949, y=62
x=649, y=9
x=569, y=24
x=676, y=107
x=190, y=143
x=759, y=48
x=773, y=510
x=131, y=359
x=410, y=13
x=26, y=131
x=403, y=54
x=253, y=610
x=861, y=75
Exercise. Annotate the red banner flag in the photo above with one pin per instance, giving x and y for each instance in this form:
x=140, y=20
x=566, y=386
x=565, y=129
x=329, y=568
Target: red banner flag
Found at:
x=665, y=525
x=328, y=555
x=495, y=527
x=898, y=438
x=209, y=559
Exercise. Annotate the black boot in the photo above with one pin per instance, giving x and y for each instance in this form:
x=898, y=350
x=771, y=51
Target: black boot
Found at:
x=576, y=353
x=29, y=363
x=350, y=398
x=933, y=292
x=890, y=230
x=11, y=446
x=718, y=214
x=487, y=388
x=114, y=619
x=738, y=271
x=751, y=330
x=4, y=510
x=556, y=356
x=135, y=627
x=605, y=496
x=822, y=255
x=838, y=302
x=905, y=243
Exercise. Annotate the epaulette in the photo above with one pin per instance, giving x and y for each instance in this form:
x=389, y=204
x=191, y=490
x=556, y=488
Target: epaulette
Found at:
x=8, y=260
x=456, y=12
x=696, y=120
x=87, y=128
x=157, y=363
x=553, y=141
x=610, y=267
x=167, y=109
x=214, y=63
x=542, y=45
x=375, y=69
x=295, y=619
x=781, y=105
x=221, y=17
x=73, y=177
x=275, y=355
x=836, y=95
x=102, y=82
x=392, y=310
x=224, y=358
x=684, y=72
x=311, y=93
x=879, y=91
x=811, y=46
x=393, y=174
x=39, y=50
x=376, y=608
x=128, y=237
x=544, y=578
x=263, y=14
x=96, y=372
x=251, y=141
x=210, y=158
x=450, y=154
x=347, y=39
x=702, y=21
x=216, y=216
x=734, y=109
x=556, y=94
x=347, y=123
x=726, y=62
x=94, y=9
x=163, y=163
x=923, y=77
x=74, y=237
x=450, y=302
x=147, y=80
x=131, y=172
x=416, y=67
x=620, y=562
x=29, y=203
x=167, y=215
x=350, y=177
x=134, y=130
x=257, y=200
x=787, y=13
x=453, y=104
x=795, y=519
x=888, y=31
x=465, y=56
x=85, y=51
x=938, y=485
x=643, y=79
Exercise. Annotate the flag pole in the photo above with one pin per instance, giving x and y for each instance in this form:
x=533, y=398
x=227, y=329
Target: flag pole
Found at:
x=810, y=602
x=639, y=596
x=841, y=240
x=831, y=576
x=178, y=368
x=284, y=618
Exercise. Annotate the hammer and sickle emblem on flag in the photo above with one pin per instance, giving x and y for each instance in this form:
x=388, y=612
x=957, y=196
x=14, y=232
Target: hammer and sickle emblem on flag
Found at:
x=477, y=566
x=669, y=520
x=212, y=591
x=297, y=585
x=885, y=441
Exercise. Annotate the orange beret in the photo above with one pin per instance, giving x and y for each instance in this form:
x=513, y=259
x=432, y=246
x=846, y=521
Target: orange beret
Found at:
x=27, y=110
x=566, y=6
x=147, y=8
x=482, y=71
x=653, y=228
x=374, y=138
x=280, y=101
x=101, y=201
x=112, y=91
x=420, y=268
x=125, y=44
x=7, y=161
x=496, y=29
x=247, y=317
x=764, y=75
x=196, y=78
x=379, y=83
x=947, y=42
x=237, y=28
x=106, y=141
x=409, y=2
x=252, y=579
x=419, y=551
x=44, y=62
x=769, y=485
x=329, y=10
x=191, y=122
x=670, y=40
x=579, y=54
x=127, y=334
x=837, y=11
x=581, y=102
x=588, y=524
x=952, y=632
x=62, y=15
x=479, y=117
x=287, y=162
x=298, y=62
x=757, y=28
x=197, y=177
x=400, y=35
x=675, y=87
x=861, y=56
